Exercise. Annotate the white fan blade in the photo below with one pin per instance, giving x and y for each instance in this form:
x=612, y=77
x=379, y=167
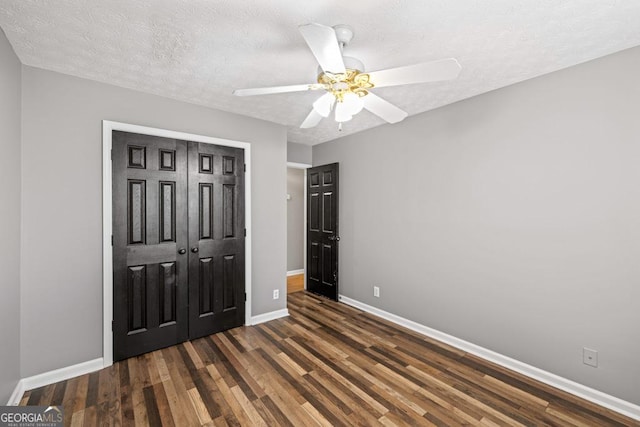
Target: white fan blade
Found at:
x=323, y=43
x=444, y=69
x=277, y=89
x=312, y=120
x=383, y=109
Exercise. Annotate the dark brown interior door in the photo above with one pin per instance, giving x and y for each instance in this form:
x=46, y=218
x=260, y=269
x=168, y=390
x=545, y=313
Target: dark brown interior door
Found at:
x=178, y=241
x=322, y=230
x=149, y=273
x=216, y=236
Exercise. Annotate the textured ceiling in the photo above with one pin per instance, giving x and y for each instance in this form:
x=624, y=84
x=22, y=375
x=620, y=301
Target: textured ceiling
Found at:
x=200, y=50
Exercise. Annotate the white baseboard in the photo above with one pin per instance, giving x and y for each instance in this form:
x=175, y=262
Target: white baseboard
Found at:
x=611, y=402
x=272, y=315
x=55, y=376
x=295, y=272
x=17, y=394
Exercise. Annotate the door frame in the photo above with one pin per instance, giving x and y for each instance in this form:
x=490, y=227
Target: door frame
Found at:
x=107, y=216
x=303, y=166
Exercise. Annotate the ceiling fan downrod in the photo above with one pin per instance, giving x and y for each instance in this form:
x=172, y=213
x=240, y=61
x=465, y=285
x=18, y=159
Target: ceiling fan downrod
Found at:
x=344, y=34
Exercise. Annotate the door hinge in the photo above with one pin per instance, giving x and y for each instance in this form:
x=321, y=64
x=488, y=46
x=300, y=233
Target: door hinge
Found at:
x=112, y=154
x=245, y=297
x=245, y=232
x=245, y=167
x=112, y=322
x=112, y=240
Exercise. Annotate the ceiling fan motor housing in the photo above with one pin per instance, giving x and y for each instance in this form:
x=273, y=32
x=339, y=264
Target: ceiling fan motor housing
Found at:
x=344, y=33
x=350, y=63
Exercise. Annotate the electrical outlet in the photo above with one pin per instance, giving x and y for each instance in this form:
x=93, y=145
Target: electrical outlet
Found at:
x=276, y=293
x=590, y=357
x=376, y=291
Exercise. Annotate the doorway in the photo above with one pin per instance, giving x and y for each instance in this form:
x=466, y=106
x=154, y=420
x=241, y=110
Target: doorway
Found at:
x=238, y=267
x=296, y=226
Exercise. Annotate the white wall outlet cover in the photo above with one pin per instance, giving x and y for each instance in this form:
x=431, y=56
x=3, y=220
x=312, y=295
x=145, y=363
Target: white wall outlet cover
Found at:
x=590, y=357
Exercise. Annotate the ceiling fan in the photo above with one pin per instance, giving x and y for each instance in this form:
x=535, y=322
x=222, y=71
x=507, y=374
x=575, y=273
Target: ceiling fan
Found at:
x=347, y=86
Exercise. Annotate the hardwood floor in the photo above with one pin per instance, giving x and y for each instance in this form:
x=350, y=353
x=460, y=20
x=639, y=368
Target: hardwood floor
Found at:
x=326, y=364
x=295, y=283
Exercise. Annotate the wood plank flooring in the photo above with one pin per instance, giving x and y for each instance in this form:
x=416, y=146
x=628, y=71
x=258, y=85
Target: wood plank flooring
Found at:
x=295, y=283
x=327, y=364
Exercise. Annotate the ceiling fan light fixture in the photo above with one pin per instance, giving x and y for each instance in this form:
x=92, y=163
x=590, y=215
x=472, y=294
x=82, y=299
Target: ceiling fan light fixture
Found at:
x=353, y=103
x=342, y=113
x=324, y=104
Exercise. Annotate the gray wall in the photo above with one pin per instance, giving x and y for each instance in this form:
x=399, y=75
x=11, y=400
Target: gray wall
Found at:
x=510, y=220
x=9, y=219
x=295, y=219
x=62, y=206
x=298, y=153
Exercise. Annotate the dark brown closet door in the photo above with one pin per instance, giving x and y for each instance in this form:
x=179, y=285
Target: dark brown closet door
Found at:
x=217, y=239
x=178, y=243
x=150, y=261
x=322, y=230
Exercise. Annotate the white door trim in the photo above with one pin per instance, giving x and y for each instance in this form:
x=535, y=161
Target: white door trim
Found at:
x=107, y=225
x=304, y=221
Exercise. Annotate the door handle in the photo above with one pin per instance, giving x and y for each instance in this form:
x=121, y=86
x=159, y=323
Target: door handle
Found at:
x=336, y=238
x=182, y=251
x=194, y=250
